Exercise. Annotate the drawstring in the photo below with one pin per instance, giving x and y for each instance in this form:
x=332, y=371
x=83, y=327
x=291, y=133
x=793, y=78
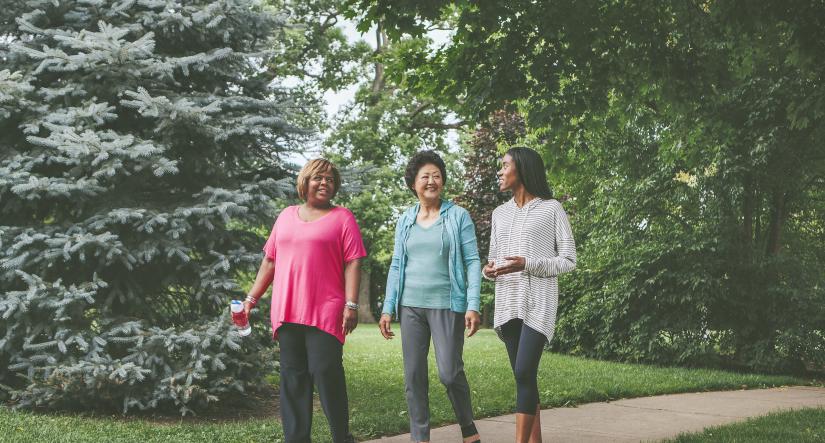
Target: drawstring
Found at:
x=510, y=231
x=516, y=211
x=441, y=236
x=527, y=251
x=524, y=220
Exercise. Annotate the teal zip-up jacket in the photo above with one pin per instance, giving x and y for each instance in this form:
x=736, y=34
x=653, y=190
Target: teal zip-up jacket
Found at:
x=464, y=263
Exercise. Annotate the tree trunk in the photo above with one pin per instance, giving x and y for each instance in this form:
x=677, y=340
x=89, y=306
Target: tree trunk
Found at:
x=487, y=316
x=777, y=221
x=364, y=302
x=748, y=203
x=757, y=223
x=381, y=43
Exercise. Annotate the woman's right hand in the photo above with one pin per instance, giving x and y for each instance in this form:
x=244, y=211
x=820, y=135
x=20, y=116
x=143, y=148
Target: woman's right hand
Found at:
x=247, y=307
x=490, y=269
x=384, y=326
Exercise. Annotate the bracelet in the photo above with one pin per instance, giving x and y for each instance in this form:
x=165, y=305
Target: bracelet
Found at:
x=352, y=305
x=251, y=300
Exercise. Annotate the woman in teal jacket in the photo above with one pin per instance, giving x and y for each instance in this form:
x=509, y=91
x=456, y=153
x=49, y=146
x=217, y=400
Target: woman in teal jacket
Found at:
x=433, y=289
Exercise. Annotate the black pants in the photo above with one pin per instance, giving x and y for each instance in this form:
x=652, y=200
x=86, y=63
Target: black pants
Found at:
x=310, y=356
x=524, y=347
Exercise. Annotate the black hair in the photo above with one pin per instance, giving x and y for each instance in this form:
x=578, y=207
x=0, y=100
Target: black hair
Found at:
x=418, y=161
x=530, y=170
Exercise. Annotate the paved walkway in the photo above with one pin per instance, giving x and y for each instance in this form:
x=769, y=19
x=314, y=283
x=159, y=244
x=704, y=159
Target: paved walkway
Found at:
x=641, y=419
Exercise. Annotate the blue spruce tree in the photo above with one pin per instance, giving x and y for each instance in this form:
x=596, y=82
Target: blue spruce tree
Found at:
x=139, y=141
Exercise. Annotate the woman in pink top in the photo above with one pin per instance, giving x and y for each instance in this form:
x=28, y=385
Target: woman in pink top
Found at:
x=312, y=260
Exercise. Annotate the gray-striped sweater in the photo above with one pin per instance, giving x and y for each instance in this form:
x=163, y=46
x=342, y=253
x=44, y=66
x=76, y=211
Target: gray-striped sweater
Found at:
x=540, y=232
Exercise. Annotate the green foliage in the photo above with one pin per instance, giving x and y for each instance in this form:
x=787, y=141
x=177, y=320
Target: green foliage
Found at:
x=481, y=195
x=376, y=135
x=481, y=164
x=137, y=138
x=688, y=136
x=315, y=49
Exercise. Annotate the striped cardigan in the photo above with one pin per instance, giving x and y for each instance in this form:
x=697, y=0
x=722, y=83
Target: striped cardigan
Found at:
x=540, y=232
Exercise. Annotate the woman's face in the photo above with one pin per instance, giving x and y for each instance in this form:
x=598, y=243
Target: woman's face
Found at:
x=428, y=182
x=507, y=175
x=321, y=187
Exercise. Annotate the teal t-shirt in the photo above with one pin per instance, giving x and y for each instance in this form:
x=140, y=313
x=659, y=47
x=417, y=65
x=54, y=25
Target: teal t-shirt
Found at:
x=427, y=273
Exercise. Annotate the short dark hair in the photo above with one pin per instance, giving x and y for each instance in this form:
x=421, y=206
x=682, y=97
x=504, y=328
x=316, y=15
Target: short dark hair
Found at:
x=418, y=161
x=531, y=172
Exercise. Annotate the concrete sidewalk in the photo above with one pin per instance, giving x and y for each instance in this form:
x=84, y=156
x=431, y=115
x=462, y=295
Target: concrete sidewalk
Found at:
x=641, y=419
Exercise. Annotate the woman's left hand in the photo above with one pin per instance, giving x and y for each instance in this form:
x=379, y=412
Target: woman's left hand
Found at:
x=514, y=264
x=472, y=321
x=350, y=320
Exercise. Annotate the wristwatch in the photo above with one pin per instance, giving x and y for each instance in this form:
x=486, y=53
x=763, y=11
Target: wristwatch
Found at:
x=352, y=305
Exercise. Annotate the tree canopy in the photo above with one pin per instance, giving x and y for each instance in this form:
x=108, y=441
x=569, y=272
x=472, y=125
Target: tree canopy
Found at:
x=689, y=136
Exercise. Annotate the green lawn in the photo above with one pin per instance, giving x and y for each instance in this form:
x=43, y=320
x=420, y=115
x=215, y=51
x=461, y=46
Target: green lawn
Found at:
x=376, y=394
x=804, y=425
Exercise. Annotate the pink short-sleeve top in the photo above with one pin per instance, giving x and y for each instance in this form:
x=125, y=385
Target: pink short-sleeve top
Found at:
x=308, y=285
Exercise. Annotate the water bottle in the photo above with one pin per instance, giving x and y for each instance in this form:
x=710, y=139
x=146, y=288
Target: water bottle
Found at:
x=240, y=318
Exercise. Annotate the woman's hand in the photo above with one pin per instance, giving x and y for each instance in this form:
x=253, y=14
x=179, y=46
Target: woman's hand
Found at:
x=352, y=281
x=472, y=321
x=384, y=326
x=515, y=264
x=350, y=320
x=247, y=306
x=490, y=269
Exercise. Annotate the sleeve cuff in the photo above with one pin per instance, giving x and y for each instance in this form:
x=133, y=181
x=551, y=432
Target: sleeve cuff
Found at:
x=529, y=265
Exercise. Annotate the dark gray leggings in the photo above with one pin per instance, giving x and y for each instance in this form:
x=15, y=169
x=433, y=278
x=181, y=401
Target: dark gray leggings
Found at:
x=524, y=347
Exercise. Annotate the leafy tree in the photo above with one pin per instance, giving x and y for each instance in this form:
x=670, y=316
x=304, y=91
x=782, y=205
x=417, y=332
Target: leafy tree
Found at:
x=138, y=140
x=376, y=134
x=481, y=161
x=315, y=47
x=688, y=134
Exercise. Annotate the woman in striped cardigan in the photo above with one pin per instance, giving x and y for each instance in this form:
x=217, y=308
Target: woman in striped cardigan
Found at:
x=531, y=243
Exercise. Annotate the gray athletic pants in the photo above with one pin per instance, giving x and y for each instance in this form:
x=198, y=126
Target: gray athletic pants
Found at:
x=447, y=331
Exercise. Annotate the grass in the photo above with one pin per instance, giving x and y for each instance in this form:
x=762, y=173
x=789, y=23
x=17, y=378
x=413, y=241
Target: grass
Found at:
x=376, y=395
x=804, y=425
